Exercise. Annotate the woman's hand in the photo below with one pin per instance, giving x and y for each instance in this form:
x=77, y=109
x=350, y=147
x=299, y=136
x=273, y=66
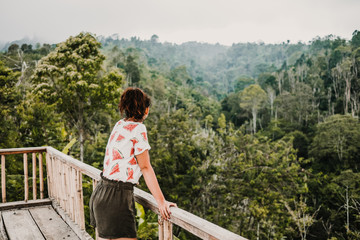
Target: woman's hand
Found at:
x=164, y=209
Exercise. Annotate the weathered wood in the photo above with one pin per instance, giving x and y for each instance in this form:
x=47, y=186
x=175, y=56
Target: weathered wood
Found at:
x=73, y=193
x=161, y=227
x=41, y=175
x=3, y=179
x=51, y=224
x=165, y=229
x=168, y=235
x=34, y=175
x=26, y=178
x=9, y=151
x=82, y=234
x=80, y=166
x=67, y=188
x=81, y=201
x=20, y=225
x=23, y=204
x=3, y=235
x=190, y=222
x=48, y=174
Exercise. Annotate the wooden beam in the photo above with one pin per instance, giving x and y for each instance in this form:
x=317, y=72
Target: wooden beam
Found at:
x=3, y=179
x=3, y=235
x=80, y=166
x=34, y=175
x=23, y=204
x=41, y=175
x=20, y=225
x=8, y=151
x=26, y=178
x=51, y=224
x=168, y=234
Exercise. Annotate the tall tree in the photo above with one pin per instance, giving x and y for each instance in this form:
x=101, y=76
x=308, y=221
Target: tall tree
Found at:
x=252, y=99
x=9, y=99
x=70, y=77
x=336, y=145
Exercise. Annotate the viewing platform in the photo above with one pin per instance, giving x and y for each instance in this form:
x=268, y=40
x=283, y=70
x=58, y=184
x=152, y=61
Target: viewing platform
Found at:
x=59, y=211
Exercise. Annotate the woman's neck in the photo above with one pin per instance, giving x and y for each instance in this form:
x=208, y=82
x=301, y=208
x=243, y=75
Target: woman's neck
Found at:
x=132, y=120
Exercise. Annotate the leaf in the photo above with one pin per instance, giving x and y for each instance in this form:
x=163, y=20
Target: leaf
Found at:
x=69, y=145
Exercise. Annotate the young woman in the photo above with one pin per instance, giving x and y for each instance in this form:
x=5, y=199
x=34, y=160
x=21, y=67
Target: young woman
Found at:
x=112, y=205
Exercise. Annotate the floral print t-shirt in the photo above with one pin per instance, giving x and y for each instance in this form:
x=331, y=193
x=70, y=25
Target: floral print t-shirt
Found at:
x=127, y=140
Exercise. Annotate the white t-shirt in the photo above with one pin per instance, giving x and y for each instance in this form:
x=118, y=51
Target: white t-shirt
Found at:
x=127, y=140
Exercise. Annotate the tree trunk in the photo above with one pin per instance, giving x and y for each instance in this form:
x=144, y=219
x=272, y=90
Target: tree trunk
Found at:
x=254, y=113
x=81, y=139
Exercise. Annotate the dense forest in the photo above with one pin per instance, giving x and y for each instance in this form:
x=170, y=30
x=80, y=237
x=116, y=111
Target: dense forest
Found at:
x=261, y=139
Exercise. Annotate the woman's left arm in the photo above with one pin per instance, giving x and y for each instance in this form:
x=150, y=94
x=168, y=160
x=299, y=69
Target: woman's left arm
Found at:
x=152, y=183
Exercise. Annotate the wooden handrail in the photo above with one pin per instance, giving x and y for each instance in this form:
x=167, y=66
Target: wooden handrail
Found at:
x=64, y=175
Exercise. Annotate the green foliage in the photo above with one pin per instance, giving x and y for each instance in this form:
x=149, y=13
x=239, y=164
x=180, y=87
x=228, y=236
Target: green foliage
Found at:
x=336, y=145
x=301, y=166
x=69, y=79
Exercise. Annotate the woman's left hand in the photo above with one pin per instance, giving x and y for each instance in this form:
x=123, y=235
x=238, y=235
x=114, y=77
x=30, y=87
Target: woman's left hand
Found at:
x=164, y=209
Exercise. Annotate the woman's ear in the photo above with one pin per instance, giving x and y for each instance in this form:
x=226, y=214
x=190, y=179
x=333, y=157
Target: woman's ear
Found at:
x=147, y=111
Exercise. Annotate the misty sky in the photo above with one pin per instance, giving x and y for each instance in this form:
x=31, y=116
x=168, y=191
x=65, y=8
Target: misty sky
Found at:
x=177, y=21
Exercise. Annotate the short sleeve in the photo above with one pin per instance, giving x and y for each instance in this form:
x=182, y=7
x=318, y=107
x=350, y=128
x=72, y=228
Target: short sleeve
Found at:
x=141, y=143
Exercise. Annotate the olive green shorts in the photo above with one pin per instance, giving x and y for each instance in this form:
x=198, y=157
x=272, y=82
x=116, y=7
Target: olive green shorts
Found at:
x=112, y=209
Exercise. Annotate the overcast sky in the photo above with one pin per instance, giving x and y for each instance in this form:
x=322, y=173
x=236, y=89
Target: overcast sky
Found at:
x=177, y=21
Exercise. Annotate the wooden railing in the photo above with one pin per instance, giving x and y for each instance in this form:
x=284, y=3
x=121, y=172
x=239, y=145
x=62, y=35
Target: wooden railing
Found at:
x=64, y=186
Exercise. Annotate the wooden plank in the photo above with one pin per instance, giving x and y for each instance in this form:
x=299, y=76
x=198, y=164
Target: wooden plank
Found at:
x=3, y=235
x=168, y=235
x=3, y=179
x=34, y=175
x=51, y=224
x=41, y=175
x=49, y=176
x=20, y=225
x=161, y=227
x=72, y=193
x=26, y=178
x=82, y=234
x=81, y=201
x=78, y=165
x=23, y=204
x=8, y=151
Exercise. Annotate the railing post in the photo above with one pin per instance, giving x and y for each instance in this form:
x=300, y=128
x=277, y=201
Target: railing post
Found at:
x=79, y=200
x=3, y=179
x=161, y=228
x=34, y=175
x=41, y=175
x=165, y=229
x=26, y=183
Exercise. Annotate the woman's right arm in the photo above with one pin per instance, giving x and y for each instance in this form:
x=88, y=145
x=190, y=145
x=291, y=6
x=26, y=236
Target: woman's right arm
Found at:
x=143, y=160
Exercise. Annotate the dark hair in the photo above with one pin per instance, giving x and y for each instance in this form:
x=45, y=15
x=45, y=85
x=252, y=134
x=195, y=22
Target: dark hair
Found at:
x=134, y=103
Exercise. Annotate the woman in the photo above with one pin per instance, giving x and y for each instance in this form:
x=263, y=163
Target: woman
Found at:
x=112, y=205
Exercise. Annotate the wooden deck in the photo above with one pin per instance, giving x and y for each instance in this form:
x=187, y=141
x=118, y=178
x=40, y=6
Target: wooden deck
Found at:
x=38, y=220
